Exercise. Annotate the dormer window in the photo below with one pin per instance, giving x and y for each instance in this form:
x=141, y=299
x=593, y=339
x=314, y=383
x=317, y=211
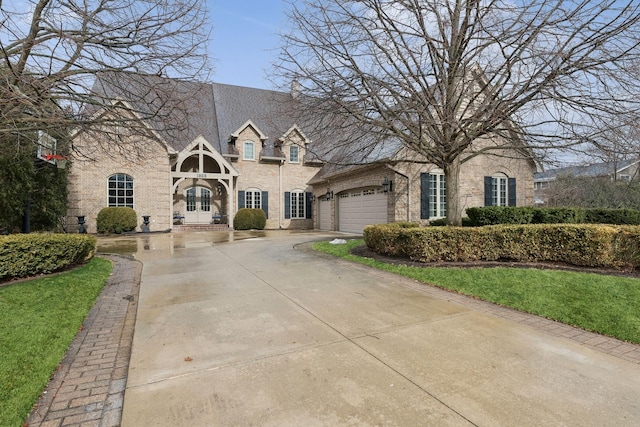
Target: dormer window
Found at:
x=294, y=154
x=248, y=152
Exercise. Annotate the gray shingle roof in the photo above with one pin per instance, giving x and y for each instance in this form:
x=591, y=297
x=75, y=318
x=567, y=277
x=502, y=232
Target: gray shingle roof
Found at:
x=180, y=111
x=235, y=105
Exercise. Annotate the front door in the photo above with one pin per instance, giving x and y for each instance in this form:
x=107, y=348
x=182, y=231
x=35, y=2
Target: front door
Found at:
x=198, y=209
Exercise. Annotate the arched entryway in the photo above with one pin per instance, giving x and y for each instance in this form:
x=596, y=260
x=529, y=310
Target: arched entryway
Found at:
x=198, y=208
x=203, y=184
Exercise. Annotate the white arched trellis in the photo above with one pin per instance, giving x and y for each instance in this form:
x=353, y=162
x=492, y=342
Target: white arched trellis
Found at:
x=225, y=175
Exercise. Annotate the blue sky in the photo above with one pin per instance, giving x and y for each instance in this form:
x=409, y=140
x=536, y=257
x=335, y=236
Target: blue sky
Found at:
x=244, y=40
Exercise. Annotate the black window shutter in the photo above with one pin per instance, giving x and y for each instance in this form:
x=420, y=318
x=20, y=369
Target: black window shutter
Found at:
x=488, y=196
x=265, y=203
x=307, y=205
x=240, y=199
x=512, y=192
x=425, y=182
x=287, y=205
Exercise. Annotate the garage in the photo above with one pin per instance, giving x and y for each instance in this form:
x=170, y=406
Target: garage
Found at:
x=359, y=208
x=324, y=215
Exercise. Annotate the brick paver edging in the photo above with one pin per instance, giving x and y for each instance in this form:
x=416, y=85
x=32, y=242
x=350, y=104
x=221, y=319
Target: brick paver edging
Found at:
x=88, y=386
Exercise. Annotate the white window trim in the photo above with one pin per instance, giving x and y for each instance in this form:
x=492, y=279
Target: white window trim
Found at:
x=252, y=193
x=117, y=203
x=301, y=210
x=499, y=182
x=244, y=150
x=297, y=160
x=438, y=196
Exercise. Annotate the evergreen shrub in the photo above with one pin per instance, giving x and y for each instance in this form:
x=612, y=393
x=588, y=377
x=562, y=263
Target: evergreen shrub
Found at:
x=25, y=255
x=612, y=216
x=249, y=219
x=558, y=216
x=587, y=245
x=441, y=222
x=494, y=215
x=116, y=220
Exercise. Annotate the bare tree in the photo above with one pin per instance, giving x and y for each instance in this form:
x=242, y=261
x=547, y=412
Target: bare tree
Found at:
x=443, y=77
x=618, y=141
x=66, y=64
x=593, y=192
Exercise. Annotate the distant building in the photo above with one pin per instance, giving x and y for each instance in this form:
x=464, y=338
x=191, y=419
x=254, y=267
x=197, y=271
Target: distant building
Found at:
x=624, y=170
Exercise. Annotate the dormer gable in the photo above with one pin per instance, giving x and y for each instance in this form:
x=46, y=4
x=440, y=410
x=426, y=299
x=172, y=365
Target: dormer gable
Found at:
x=249, y=124
x=294, y=133
x=295, y=137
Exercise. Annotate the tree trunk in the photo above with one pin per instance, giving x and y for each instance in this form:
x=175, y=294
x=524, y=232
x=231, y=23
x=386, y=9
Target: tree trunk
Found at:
x=452, y=178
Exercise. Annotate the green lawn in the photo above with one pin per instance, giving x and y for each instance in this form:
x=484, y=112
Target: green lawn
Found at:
x=38, y=320
x=606, y=304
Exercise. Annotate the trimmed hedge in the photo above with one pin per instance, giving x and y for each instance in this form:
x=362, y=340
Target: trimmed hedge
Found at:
x=493, y=215
x=24, y=255
x=249, y=219
x=612, y=216
x=440, y=222
x=116, y=220
x=584, y=245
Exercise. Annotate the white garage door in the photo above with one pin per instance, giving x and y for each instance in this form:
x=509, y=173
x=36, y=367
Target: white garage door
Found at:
x=359, y=208
x=324, y=215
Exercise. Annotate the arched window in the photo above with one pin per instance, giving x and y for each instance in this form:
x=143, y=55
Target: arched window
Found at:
x=253, y=199
x=499, y=190
x=120, y=191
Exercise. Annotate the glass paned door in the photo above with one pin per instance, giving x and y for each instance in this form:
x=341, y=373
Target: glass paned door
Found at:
x=198, y=205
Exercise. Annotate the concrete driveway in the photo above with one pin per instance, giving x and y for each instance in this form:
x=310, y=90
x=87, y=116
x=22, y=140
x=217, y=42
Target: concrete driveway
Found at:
x=259, y=332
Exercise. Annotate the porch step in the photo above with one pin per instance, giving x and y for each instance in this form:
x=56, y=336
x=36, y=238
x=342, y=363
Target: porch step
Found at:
x=201, y=227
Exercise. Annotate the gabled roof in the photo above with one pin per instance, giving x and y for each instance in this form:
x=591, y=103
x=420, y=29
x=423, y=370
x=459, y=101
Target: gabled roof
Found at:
x=295, y=129
x=593, y=170
x=236, y=105
x=355, y=157
x=174, y=109
x=186, y=110
x=249, y=124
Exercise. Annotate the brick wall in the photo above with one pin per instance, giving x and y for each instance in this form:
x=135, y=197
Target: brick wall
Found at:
x=404, y=200
x=98, y=158
x=274, y=177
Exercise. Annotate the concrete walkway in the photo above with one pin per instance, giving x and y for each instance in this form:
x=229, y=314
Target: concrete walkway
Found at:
x=256, y=332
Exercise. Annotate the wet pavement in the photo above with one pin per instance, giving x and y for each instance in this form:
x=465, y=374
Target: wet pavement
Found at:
x=254, y=329
x=155, y=243
x=463, y=362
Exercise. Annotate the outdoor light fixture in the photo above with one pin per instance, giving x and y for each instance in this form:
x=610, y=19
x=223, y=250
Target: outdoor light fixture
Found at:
x=387, y=185
x=329, y=194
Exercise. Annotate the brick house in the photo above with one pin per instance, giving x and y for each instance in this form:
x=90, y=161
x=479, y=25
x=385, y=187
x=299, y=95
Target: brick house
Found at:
x=401, y=187
x=238, y=149
x=233, y=153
